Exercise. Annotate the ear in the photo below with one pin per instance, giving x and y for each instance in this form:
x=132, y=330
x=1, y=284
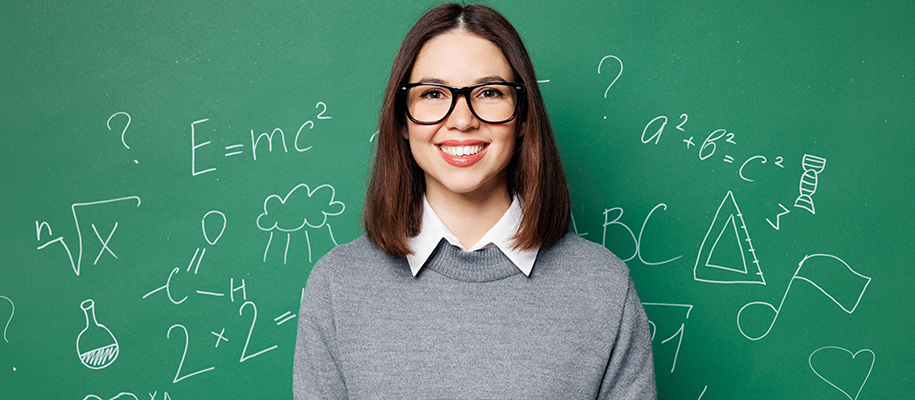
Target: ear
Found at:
x=522, y=127
x=405, y=133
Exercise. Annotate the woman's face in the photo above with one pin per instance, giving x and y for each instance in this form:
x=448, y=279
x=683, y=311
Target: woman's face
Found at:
x=461, y=155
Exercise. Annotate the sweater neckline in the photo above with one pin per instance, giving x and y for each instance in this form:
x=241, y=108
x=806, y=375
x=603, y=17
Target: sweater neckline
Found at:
x=478, y=266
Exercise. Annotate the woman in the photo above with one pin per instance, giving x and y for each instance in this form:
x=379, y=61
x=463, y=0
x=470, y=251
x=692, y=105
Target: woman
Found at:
x=467, y=283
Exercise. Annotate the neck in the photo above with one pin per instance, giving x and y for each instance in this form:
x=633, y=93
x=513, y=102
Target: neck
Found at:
x=469, y=217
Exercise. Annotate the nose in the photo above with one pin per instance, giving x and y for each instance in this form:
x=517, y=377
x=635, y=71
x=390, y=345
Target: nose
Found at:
x=461, y=117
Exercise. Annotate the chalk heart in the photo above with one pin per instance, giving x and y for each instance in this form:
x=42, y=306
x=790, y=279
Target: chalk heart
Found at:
x=827, y=358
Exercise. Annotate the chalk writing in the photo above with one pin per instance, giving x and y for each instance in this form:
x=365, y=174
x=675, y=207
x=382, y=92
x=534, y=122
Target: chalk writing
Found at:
x=638, y=241
x=251, y=331
x=575, y=228
x=834, y=357
x=649, y=309
x=79, y=258
x=826, y=272
x=124, y=130
x=212, y=214
x=283, y=318
x=617, y=75
x=203, y=224
x=126, y=395
x=195, y=146
x=122, y=395
x=12, y=312
x=239, y=148
x=220, y=337
x=104, y=243
x=167, y=287
x=178, y=377
x=740, y=171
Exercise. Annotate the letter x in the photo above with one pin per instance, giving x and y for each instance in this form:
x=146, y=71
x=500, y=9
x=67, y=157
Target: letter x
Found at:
x=104, y=242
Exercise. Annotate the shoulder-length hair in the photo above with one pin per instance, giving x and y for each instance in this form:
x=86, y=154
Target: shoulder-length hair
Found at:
x=393, y=203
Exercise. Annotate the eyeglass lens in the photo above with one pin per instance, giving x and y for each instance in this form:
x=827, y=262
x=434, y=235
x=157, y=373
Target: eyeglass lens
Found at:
x=492, y=103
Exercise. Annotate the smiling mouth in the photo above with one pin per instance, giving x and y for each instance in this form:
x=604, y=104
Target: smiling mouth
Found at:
x=462, y=151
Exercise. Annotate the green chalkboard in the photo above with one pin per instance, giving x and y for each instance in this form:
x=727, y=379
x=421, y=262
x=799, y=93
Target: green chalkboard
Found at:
x=751, y=161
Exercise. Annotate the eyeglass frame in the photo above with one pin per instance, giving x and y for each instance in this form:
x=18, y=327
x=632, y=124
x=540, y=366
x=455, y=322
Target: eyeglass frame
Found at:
x=457, y=91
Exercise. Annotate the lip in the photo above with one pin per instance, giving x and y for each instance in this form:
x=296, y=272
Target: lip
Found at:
x=462, y=161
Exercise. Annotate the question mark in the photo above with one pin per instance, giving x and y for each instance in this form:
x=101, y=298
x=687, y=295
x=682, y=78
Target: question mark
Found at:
x=125, y=128
x=617, y=75
x=11, y=317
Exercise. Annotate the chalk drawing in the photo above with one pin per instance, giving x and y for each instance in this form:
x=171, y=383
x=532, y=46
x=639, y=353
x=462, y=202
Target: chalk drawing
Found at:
x=823, y=351
x=826, y=272
x=778, y=218
x=12, y=312
x=732, y=268
x=120, y=396
x=813, y=166
x=96, y=345
x=79, y=258
x=298, y=209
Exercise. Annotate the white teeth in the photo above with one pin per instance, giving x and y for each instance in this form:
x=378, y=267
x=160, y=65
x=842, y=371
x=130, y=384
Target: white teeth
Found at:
x=462, y=151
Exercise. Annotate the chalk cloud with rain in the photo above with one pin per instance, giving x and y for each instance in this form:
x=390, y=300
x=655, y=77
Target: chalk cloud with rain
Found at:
x=301, y=209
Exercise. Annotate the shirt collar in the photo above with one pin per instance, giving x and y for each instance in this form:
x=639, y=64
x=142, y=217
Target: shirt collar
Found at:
x=500, y=235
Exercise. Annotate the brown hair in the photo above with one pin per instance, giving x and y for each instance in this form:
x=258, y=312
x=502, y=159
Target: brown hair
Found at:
x=393, y=203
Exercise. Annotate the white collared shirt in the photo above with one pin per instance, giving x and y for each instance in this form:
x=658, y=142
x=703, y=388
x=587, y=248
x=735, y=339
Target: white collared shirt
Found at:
x=500, y=235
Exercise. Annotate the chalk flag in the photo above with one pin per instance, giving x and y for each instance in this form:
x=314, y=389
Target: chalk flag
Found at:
x=835, y=279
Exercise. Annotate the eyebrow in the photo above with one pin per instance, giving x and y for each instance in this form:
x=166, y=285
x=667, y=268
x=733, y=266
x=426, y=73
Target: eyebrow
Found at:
x=486, y=79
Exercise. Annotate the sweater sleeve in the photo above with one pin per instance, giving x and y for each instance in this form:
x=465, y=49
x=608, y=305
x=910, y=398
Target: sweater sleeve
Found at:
x=316, y=371
x=630, y=372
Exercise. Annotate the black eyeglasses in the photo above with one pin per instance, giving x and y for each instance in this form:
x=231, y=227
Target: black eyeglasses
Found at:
x=491, y=102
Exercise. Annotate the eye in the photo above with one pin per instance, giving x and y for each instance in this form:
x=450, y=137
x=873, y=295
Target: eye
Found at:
x=433, y=94
x=490, y=93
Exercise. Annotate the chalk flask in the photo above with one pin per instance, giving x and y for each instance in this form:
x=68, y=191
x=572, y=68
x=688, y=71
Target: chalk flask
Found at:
x=96, y=345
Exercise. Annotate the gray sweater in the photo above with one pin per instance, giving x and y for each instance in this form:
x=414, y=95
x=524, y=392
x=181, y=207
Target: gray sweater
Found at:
x=470, y=325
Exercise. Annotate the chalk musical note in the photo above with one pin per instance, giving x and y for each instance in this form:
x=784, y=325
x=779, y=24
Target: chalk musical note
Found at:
x=834, y=358
x=832, y=278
